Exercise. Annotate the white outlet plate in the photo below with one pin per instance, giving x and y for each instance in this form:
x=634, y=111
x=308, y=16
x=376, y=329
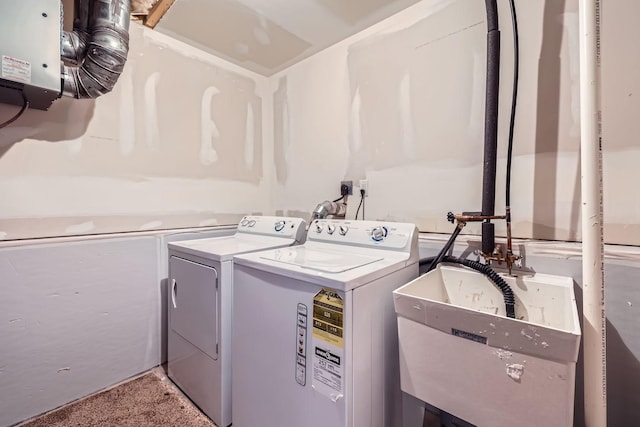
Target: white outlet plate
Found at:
x=364, y=185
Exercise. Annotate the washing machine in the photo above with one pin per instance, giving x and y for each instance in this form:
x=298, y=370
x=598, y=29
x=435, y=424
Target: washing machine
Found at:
x=315, y=340
x=200, y=307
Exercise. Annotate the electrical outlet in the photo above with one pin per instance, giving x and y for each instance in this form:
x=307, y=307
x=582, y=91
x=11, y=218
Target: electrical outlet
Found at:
x=364, y=185
x=346, y=188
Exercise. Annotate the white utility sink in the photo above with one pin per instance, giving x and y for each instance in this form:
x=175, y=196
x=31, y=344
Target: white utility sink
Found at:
x=460, y=353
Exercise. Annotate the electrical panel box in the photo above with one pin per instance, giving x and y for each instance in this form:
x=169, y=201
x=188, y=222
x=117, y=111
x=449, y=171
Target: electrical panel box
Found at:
x=30, y=35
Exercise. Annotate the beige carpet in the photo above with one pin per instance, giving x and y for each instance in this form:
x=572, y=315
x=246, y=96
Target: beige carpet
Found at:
x=148, y=400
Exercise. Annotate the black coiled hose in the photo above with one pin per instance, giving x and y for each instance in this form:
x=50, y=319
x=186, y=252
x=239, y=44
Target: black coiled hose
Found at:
x=507, y=292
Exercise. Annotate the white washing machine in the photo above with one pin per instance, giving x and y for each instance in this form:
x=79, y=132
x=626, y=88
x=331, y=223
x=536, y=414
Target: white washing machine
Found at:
x=315, y=339
x=200, y=307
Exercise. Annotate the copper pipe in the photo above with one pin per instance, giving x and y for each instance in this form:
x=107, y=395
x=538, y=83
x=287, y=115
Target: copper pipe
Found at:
x=477, y=218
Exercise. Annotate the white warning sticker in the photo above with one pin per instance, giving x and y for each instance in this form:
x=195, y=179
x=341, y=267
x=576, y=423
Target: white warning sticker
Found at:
x=328, y=344
x=16, y=69
x=328, y=369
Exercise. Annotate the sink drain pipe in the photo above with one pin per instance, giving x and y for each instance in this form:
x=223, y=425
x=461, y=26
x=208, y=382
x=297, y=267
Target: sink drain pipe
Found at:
x=593, y=306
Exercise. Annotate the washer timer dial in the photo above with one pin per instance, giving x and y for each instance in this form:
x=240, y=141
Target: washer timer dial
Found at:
x=378, y=234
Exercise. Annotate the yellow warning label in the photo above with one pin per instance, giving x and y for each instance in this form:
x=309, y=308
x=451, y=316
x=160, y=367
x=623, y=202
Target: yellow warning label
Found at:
x=328, y=317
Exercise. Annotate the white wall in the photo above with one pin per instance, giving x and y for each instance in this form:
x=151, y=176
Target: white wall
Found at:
x=78, y=315
x=401, y=104
x=179, y=142
x=188, y=139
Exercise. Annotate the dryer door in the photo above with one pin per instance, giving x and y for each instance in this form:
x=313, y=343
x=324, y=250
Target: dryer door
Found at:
x=193, y=303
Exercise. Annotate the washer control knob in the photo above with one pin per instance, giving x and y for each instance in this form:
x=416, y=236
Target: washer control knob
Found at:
x=331, y=228
x=343, y=230
x=251, y=223
x=244, y=222
x=319, y=228
x=379, y=233
x=279, y=225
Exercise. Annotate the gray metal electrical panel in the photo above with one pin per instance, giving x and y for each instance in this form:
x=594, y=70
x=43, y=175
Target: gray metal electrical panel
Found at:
x=30, y=65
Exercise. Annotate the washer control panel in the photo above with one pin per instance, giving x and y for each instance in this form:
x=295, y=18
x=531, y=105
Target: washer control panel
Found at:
x=363, y=233
x=272, y=225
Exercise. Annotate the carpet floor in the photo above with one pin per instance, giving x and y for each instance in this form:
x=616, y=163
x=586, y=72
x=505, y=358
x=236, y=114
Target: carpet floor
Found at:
x=148, y=400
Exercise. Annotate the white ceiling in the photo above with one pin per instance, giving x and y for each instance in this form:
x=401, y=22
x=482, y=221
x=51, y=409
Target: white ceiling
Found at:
x=267, y=36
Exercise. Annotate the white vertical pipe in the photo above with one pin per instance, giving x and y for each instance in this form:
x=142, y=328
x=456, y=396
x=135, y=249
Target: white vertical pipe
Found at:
x=594, y=334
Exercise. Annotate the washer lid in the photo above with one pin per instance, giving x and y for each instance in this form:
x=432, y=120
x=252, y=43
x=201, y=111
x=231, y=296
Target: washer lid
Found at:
x=320, y=260
x=336, y=266
x=224, y=248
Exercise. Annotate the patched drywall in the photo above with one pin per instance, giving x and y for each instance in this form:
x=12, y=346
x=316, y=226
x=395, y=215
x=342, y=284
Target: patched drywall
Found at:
x=268, y=36
x=177, y=143
x=281, y=130
x=235, y=32
x=401, y=104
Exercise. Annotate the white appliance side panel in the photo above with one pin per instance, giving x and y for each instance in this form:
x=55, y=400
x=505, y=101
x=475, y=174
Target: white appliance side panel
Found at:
x=193, y=303
x=225, y=313
x=377, y=397
x=264, y=387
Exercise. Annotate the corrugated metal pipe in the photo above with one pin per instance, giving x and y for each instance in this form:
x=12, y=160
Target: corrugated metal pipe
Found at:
x=95, y=52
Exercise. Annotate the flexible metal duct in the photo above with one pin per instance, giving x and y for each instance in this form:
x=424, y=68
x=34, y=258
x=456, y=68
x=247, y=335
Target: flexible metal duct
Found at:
x=74, y=43
x=96, y=50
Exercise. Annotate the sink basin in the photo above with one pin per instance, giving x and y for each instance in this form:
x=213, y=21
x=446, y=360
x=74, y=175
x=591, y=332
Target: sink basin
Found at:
x=460, y=353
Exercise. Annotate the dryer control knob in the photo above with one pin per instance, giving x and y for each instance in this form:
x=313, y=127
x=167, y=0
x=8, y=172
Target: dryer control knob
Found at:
x=279, y=225
x=378, y=234
x=319, y=228
x=331, y=228
x=251, y=223
x=244, y=222
x=343, y=230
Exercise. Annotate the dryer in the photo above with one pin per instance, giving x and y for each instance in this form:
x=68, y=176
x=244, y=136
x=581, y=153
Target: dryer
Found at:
x=200, y=307
x=315, y=339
